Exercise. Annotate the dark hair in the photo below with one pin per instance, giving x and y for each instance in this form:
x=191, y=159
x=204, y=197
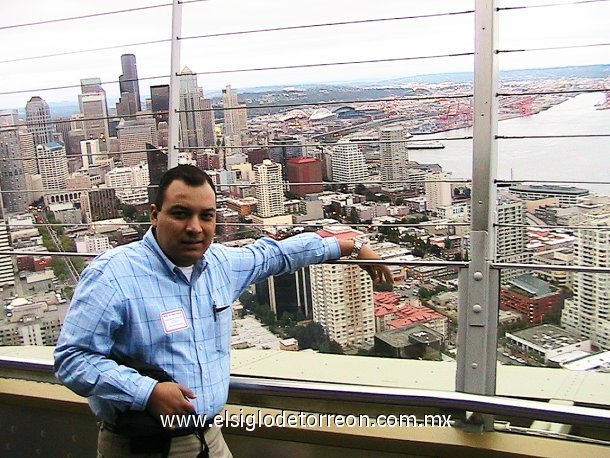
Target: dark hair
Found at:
x=190, y=174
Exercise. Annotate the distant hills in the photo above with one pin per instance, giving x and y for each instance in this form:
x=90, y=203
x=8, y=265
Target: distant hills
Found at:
x=585, y=71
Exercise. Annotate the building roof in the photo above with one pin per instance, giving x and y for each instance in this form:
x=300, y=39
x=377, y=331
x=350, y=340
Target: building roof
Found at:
x=339, y=232
x=547, y=336
x=532, y=286
x=414, y=315
x=406, y=336
x=302, y=160
x=550, y=189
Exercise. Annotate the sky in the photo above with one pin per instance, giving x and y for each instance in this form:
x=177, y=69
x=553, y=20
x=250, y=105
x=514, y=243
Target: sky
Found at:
x=576, y=24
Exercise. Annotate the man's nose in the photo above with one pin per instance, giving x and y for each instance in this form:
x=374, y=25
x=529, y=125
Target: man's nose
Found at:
x=194, y=225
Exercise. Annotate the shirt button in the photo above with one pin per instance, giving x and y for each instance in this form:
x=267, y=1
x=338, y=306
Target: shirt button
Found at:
x=200, y=347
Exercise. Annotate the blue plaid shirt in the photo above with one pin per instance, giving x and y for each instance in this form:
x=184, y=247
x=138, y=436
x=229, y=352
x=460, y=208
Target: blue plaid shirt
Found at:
x=120, y=308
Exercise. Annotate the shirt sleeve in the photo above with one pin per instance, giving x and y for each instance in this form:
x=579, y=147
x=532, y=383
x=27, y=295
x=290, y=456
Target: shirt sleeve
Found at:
x=267, y=257
x=87, y=337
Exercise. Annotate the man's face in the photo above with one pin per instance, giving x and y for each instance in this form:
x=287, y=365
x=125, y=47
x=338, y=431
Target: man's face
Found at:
x=186, y=222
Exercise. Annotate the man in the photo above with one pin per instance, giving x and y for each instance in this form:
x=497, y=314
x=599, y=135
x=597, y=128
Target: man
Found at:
x=166, y=301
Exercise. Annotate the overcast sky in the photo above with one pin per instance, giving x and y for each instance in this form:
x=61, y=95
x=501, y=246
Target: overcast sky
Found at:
x=529, y=28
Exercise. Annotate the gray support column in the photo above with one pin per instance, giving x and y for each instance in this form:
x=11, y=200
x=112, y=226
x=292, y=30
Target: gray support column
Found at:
x=479, y=285
x=174, y=87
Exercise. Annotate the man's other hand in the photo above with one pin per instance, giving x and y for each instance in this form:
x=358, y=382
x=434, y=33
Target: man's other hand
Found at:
x=168, y=398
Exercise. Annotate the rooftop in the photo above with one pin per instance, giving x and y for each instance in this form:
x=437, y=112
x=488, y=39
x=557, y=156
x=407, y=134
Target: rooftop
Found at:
x=548, y=336
x=531, y=286
x=550, y=188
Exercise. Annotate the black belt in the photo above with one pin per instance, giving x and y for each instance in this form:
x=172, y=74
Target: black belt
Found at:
x=176, y=432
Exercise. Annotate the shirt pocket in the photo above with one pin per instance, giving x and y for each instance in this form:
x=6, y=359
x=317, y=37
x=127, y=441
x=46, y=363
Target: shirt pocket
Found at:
x=222, y=316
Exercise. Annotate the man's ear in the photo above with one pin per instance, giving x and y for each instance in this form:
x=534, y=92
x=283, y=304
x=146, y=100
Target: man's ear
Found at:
x=154, y=213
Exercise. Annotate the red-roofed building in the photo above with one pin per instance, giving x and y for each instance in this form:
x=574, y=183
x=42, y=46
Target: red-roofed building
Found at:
x=421, y=315
x=392, y=311
x=339, y=231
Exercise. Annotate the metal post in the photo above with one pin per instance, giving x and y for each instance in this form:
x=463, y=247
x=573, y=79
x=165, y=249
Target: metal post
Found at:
x=479, y=284
x=174, y=87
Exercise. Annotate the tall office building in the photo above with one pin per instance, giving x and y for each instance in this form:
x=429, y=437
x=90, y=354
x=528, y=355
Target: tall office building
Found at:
x=342, y=298
x=587, y=313
x=7, y=272
x=53, y=165
x=236, y=116
x=159, y=102
x=129, y=86
x=394, y=157
x=269, y=189
x=133, y=136
x=437, y=190
x=348, y=164
x=38, y=120
x=93, y=106
x=12, y=175
x=196, y=114
x=28, y=151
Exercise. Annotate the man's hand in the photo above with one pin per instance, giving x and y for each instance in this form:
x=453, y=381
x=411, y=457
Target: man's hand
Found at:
x=168, y=398
x=379, y=274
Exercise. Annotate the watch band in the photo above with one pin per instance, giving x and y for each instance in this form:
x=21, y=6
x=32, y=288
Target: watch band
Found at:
x=358, y=244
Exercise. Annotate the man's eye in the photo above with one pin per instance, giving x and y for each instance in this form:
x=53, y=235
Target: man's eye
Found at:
x=179, y=214
x=207, y=216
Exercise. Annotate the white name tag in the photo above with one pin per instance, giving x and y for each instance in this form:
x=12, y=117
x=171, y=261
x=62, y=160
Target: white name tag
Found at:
x=174, y=320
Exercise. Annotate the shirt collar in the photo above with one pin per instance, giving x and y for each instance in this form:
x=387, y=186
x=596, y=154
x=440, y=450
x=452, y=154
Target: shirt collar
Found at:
x=151, y=242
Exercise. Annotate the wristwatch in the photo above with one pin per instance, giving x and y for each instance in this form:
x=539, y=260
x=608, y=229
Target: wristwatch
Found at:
x=358, y=244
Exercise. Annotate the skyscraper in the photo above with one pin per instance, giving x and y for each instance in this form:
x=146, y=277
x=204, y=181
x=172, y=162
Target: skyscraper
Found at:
x=12, y=175
x=196, y=114
x=159, y=96
x=7, y=273
x=587, y=313
x=348, y=164
x=94, y=108
x=53, y=165
x=269, y=189
x=394, y=157
x=38, y=120
x=236, y=117
x=129, y=102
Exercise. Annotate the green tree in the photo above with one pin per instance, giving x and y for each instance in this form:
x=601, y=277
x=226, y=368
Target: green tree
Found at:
x=129, y=211
x=360, y=189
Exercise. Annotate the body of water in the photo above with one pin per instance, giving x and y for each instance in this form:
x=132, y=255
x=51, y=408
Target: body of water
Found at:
x=570, y=159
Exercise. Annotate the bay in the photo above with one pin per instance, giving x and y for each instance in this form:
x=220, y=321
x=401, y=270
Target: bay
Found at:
x=539, y=160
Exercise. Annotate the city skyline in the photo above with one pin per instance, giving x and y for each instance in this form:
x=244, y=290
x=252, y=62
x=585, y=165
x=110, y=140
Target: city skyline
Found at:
x=434, y=36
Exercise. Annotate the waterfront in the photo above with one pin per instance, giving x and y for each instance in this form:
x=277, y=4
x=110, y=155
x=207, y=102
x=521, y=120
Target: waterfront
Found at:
x=529, y=159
